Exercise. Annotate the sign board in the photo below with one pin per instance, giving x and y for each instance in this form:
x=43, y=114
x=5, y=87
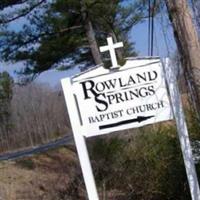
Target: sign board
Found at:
x=131, y=96
x=100, y=101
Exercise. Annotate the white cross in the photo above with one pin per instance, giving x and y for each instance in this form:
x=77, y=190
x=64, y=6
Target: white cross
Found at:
x=111, y=48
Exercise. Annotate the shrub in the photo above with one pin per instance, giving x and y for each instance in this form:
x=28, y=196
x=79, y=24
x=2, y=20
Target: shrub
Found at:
x=147, y=166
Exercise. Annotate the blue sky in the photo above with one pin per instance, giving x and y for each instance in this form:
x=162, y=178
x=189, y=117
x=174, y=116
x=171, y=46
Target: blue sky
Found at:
x=164, y=46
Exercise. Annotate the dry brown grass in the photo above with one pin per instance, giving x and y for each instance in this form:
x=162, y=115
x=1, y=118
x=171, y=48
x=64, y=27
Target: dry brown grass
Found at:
x=51, y=176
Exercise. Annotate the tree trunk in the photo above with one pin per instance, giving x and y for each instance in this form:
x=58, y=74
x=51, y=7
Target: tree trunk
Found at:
x=188, y=46
x=90, y=34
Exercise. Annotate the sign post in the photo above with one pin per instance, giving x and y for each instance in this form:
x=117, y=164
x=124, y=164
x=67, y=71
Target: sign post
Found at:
x=182, y=131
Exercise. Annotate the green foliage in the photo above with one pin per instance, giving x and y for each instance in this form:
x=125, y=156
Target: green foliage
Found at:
x=193, y=124
x=147, y=166
x=106, y=152
x=6, y=84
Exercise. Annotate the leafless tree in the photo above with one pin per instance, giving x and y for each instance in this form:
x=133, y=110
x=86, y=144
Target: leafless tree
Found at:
x=38, y=115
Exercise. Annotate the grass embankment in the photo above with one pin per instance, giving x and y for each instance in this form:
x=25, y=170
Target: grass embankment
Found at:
x=50, y=176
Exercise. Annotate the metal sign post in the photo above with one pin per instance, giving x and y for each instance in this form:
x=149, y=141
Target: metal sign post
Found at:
x=182, y=131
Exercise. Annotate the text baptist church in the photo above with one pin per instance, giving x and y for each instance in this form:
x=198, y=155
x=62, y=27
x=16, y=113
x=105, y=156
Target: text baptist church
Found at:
x=119, y=90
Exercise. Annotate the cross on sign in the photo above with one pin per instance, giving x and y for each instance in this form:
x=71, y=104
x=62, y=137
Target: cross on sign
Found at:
x=111, y=48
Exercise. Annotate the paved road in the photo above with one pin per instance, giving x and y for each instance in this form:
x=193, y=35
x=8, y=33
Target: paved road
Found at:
x=67, y=140
x=43, y=148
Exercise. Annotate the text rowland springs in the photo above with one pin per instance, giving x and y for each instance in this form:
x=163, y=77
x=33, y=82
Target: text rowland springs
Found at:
x=119, y=90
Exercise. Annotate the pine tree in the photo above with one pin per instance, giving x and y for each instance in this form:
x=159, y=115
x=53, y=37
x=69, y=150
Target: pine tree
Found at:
x=64, y=33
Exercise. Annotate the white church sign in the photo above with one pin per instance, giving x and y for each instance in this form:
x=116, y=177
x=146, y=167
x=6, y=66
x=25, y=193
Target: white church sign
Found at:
x=102, y=101
x=132, y=96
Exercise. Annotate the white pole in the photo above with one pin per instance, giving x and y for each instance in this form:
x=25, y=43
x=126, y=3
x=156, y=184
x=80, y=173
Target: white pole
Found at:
x=80, y=142
x=182, y=131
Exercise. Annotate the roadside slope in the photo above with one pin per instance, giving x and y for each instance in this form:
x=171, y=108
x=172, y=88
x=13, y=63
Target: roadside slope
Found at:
x=49, y=176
